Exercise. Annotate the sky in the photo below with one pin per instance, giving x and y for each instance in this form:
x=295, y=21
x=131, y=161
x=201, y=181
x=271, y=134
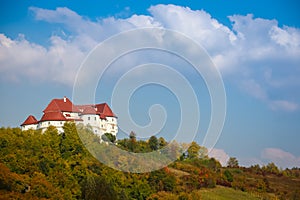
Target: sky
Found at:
x=255, y=46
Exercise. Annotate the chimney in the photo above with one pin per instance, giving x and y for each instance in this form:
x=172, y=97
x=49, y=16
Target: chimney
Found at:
x=65, y=99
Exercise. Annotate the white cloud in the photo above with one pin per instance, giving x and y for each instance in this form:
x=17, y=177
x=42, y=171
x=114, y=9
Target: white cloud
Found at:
x=280, y=157
x=22, y=59
x=220, y=155
x=70, y=19
x=287, y=37
x=198, y=25
x=143, y=21
x=254, y=89
x=284, y=105
x=261, y=57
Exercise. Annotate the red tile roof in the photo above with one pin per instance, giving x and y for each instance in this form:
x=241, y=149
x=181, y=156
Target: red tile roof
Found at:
x=56, y=116
x=53, y=116
x=102, y=116
x=100, y=109
x=30, y=120
x=62, y=105
x=105, y=110
x=89, y=110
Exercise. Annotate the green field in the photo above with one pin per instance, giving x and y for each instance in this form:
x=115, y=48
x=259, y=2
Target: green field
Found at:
x=223, y=193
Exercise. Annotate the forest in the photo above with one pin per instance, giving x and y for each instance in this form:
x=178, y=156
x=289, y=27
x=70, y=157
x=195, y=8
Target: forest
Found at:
x=36, y=165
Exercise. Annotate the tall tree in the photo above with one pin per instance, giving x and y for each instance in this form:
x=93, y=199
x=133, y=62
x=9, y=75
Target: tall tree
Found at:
x=233, y=162
x=108, y=137
x=132, y=142
x=161, y=142
x=153, y=143
x=132, y=136
x=193, y=150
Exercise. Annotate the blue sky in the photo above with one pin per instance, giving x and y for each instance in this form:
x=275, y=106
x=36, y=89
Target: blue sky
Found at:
x=254, y=44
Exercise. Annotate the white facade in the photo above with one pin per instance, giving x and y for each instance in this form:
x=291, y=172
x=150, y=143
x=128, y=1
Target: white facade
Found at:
x=109, y=125
x=29, y=126
x=93, y=121
x=45, y=124
x=100, y=126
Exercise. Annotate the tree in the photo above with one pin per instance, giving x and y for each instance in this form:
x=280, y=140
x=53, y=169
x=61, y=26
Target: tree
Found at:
x=132, y=142
x=193, y=150
x=70, y=144
x=132, y=136
x=228, y=176
x=162, y=142
x=108, y=137
x=271, y=168
x=203, y=152
x=232, y=162
x=153, y=143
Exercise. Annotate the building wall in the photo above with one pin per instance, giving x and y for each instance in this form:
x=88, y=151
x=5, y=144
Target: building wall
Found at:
x=100, y=126
x=112, y=125
x=30, y=126
x=93, y=121
x=45, y=124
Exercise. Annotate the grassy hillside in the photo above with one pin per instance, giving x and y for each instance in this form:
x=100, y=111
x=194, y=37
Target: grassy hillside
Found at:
x=35, y=165
x=224, y=193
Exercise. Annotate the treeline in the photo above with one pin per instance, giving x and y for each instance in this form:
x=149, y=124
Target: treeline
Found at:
x=58, y=166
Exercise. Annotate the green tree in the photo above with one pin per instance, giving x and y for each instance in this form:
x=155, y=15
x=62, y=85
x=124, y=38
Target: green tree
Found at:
x=228, y=176
x=132, y=144
x=70, y=144
x=153, y=143
x=193, y=150
x=108, y=137
x=160, y=180
x=162, y=142
x=233, y=162
x=132, y=136
x=271, y=168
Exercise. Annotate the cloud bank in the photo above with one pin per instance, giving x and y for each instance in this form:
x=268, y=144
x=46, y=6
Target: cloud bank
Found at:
x=256, y=54
x=280, y=157
x=220, y=155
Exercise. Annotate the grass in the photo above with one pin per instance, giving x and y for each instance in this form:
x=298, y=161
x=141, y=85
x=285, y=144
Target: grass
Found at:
x=223, y=193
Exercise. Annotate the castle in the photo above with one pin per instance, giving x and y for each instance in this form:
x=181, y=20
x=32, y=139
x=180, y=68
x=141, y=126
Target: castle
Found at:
x=99, y=117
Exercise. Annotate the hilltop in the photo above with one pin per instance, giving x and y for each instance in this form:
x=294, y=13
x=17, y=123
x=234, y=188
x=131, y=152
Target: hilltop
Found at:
x=49, y=165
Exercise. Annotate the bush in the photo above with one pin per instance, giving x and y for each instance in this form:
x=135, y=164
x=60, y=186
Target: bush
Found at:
x=228, y=176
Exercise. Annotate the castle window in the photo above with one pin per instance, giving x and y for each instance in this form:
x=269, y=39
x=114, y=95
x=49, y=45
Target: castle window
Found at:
x=48, y=123
x=95, y=119
x=89, y=118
